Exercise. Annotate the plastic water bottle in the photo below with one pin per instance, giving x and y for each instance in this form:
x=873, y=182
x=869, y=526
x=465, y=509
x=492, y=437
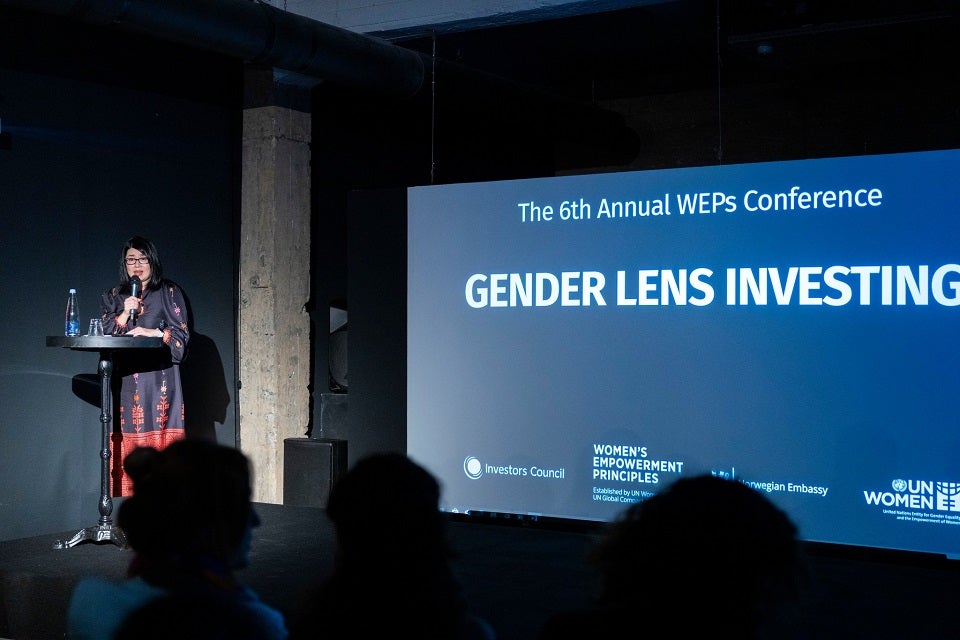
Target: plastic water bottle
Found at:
x=72, y=315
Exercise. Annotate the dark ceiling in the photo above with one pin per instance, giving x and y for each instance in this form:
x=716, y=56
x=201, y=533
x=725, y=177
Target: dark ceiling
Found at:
x=682, y=44
x=757, y=80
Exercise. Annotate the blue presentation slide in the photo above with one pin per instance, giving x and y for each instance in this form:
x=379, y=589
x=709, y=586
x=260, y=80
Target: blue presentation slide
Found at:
x=577, y=343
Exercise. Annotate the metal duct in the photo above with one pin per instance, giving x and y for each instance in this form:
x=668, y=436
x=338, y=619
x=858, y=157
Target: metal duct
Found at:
x=261, y=34
x=258, y=33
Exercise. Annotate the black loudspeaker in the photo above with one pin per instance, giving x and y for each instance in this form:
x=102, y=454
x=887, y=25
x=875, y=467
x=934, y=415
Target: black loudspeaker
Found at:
x=311, y=467
x=333, y=417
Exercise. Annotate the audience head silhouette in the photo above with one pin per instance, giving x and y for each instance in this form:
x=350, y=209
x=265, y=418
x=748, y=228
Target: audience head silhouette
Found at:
x=392, y=574
x=703, y=557
x=387, y=508
x=717, y=545
x=191, y=501
x=190, y=522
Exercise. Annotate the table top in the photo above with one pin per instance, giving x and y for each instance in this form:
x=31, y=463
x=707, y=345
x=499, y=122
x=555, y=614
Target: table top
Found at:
x=101, y=343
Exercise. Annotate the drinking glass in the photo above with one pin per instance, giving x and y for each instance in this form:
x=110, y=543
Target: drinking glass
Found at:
x=96, y=327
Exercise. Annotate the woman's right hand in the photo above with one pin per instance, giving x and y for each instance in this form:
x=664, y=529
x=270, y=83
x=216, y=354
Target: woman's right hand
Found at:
x=132, y=303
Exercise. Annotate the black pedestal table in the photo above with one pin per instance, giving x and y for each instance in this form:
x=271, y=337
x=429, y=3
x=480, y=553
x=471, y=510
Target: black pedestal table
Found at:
x=106, y=346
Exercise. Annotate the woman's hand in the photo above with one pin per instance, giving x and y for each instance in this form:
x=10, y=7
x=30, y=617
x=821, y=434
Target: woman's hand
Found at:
x=145, y=332
x=131, y=303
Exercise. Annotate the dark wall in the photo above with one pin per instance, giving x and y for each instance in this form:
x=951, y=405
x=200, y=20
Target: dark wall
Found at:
x=104, y=136
x=378, y=328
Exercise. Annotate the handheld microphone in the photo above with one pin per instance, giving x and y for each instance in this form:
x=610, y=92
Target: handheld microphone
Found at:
x=134, y=291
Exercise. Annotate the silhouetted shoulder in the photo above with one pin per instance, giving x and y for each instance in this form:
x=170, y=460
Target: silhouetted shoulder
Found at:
x=198, y=617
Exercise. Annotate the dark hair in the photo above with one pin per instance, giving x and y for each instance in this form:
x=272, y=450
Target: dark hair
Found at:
x=392, y=569
x=391, y=488
x=718, y=545
x=149, y=250
x=190, y=499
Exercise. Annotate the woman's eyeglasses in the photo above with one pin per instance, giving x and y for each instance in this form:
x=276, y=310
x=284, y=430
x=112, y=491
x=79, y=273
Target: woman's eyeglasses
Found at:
x=136, y=260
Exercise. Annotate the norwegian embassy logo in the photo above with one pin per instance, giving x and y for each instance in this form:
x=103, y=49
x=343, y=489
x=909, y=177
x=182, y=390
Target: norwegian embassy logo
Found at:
x=472, y=467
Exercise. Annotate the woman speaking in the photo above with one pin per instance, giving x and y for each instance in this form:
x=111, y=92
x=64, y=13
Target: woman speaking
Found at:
x=148, y=407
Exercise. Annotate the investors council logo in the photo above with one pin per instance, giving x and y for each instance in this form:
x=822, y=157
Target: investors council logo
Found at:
x=475, y=469
x=472, y=467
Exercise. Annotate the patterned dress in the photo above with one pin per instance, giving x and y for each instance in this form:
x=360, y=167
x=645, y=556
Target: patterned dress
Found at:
x=147, y=395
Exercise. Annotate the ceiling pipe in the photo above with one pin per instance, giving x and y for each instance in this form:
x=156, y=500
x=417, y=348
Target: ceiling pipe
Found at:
x=258, y=33
x=262, y=34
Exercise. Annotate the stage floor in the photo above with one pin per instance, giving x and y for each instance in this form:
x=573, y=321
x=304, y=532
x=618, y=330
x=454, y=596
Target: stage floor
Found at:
x=514, y=575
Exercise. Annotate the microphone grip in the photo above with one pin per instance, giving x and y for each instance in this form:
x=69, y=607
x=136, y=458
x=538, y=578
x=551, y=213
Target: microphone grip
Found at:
x=134, y=291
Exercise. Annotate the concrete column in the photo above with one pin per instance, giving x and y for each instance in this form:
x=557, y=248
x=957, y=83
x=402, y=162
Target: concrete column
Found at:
x=274, y=326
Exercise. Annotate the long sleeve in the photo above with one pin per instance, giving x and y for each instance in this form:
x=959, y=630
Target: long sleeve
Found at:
x=111, y=305
x=175, y=320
